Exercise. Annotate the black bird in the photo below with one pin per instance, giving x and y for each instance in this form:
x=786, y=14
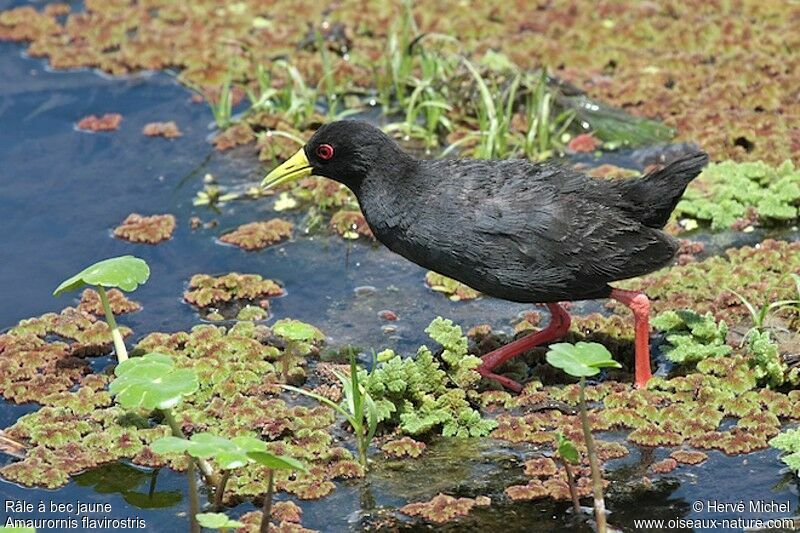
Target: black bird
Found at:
x=512, y=229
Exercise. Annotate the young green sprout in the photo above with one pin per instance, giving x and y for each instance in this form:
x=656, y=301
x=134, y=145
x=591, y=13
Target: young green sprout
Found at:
x=761, y=314
x=359, y=408
x=568, y=455
x=298, y=337
x=582, y=360
x=125, y=273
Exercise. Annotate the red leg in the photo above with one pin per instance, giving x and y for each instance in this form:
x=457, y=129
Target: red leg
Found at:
x=640, y=305
x=557, y=328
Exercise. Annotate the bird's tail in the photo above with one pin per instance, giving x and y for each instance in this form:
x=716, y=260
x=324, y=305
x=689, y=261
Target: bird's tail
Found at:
x=652, y=198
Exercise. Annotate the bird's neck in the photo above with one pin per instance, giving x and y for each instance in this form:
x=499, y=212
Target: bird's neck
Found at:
x=396, y=174
x=386, y=192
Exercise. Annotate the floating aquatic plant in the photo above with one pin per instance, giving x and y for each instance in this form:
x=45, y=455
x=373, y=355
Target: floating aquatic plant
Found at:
x=168, y=130
x=533, y=490
x=258, y=235
x=117, y=301
x=108, y=122
x=125, y=273
x=789, y=443
x=692, y=337
x=147, y=229
x=729, y=194
x=462, y=366
x=236, y=135
x=766, y=361
x=213, y=196
x=404, y=447
x=351, y=224
x=665, y=466
x=232, y=293
x=689, y=457
x=417, y=393
x=456, y=290
x=440, y=509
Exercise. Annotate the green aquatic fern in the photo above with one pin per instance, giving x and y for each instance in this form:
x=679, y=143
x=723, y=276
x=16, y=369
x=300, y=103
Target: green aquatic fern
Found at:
x=765, y=360
x=726, y=191
x=789, y=442
x=460, y=364
x=692, y=337
x=452, y=411
x=422, y=394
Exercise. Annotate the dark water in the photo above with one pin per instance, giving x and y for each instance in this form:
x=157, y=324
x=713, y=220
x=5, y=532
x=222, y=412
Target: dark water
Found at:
x=62, y=192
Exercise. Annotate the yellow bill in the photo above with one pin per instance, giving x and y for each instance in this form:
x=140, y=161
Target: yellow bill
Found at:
x=292, y=169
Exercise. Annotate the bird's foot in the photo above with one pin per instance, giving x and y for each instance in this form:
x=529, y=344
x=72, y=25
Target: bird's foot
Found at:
x=506, y=382
x=640, y=305
x=557, y=328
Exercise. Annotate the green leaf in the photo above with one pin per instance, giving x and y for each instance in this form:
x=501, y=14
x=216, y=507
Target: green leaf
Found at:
x=216, y=521
x=566, y=449
x=152, y=382
x=125, y=272
x=169, y=444
x=228, y=453
x=581, y=359
x=297, y=331
x=276, y=462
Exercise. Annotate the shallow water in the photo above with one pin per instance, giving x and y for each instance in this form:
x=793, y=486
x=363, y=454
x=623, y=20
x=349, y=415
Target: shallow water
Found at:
x=62, y=192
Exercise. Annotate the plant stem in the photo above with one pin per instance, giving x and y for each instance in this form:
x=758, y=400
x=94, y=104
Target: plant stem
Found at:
x=153, y=477
x=205, y=468
x=362, y=449
x=219, y=491
x=266, y=507
x=119, y=344
x=576, y=504
x=194, y=498
x=597, y=482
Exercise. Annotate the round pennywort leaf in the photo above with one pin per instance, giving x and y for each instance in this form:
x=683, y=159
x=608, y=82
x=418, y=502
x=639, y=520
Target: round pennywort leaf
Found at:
x=216, y=521
x=294, y=330
x=152, y=382
x=276, y=462
x=581, y=359
x=125, y=273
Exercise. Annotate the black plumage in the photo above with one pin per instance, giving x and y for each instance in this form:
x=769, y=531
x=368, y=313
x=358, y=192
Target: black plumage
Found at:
x=513, y=229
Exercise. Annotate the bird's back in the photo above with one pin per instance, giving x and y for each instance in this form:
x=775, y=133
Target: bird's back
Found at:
x=514, y=229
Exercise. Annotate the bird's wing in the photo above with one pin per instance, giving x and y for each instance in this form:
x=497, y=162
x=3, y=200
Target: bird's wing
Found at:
x=563, y=223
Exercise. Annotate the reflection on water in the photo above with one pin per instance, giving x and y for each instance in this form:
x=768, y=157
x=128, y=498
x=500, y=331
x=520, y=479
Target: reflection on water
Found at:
x=136, y=485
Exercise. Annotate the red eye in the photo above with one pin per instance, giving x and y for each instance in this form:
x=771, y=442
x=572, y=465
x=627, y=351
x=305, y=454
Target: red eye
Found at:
x=325, y=151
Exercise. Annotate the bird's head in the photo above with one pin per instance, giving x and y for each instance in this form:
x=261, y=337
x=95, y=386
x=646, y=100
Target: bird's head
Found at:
x=344, y=151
